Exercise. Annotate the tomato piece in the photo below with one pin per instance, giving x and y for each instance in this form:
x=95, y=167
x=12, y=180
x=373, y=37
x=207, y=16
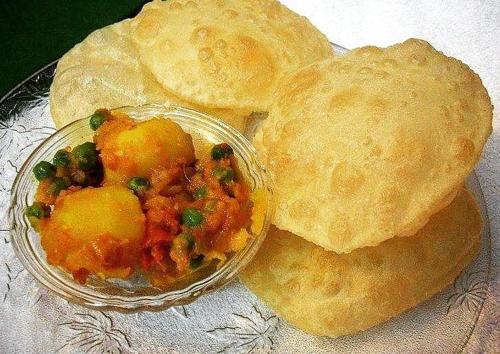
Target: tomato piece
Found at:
x=81, y=275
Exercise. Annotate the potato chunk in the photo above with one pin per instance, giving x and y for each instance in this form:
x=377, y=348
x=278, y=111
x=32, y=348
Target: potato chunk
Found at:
x=96, y=229
x=136, y=150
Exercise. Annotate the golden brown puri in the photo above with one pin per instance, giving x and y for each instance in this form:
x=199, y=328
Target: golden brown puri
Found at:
x=369, y=145
x=104, y=71
x=227, y=54
x=330, y=294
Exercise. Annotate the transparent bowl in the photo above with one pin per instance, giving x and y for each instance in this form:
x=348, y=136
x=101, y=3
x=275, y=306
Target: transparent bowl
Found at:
x=135, y=293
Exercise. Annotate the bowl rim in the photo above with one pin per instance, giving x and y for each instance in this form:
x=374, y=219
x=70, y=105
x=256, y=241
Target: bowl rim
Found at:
x=221, y=277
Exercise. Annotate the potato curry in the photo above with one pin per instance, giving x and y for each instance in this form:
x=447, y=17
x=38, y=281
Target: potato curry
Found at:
x=137, y=198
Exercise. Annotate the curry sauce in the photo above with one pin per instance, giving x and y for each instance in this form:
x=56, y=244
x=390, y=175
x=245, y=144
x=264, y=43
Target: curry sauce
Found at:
x=137, y=199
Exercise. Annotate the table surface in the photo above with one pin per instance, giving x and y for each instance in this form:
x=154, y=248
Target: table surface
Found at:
x=468, y=30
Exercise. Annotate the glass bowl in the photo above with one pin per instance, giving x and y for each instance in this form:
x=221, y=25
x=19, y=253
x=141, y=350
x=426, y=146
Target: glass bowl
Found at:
x=135, y=293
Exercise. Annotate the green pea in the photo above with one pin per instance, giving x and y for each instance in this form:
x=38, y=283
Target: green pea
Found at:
x=221, y=151
x=138, y=184
x=200, y=193
x=85, y=155
x=97, y=119
x=196, y=261
x=38, y=210
x=62, y=158
x=57, y=185
x=192, y=217
x=224, y=174
x=44, y=170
